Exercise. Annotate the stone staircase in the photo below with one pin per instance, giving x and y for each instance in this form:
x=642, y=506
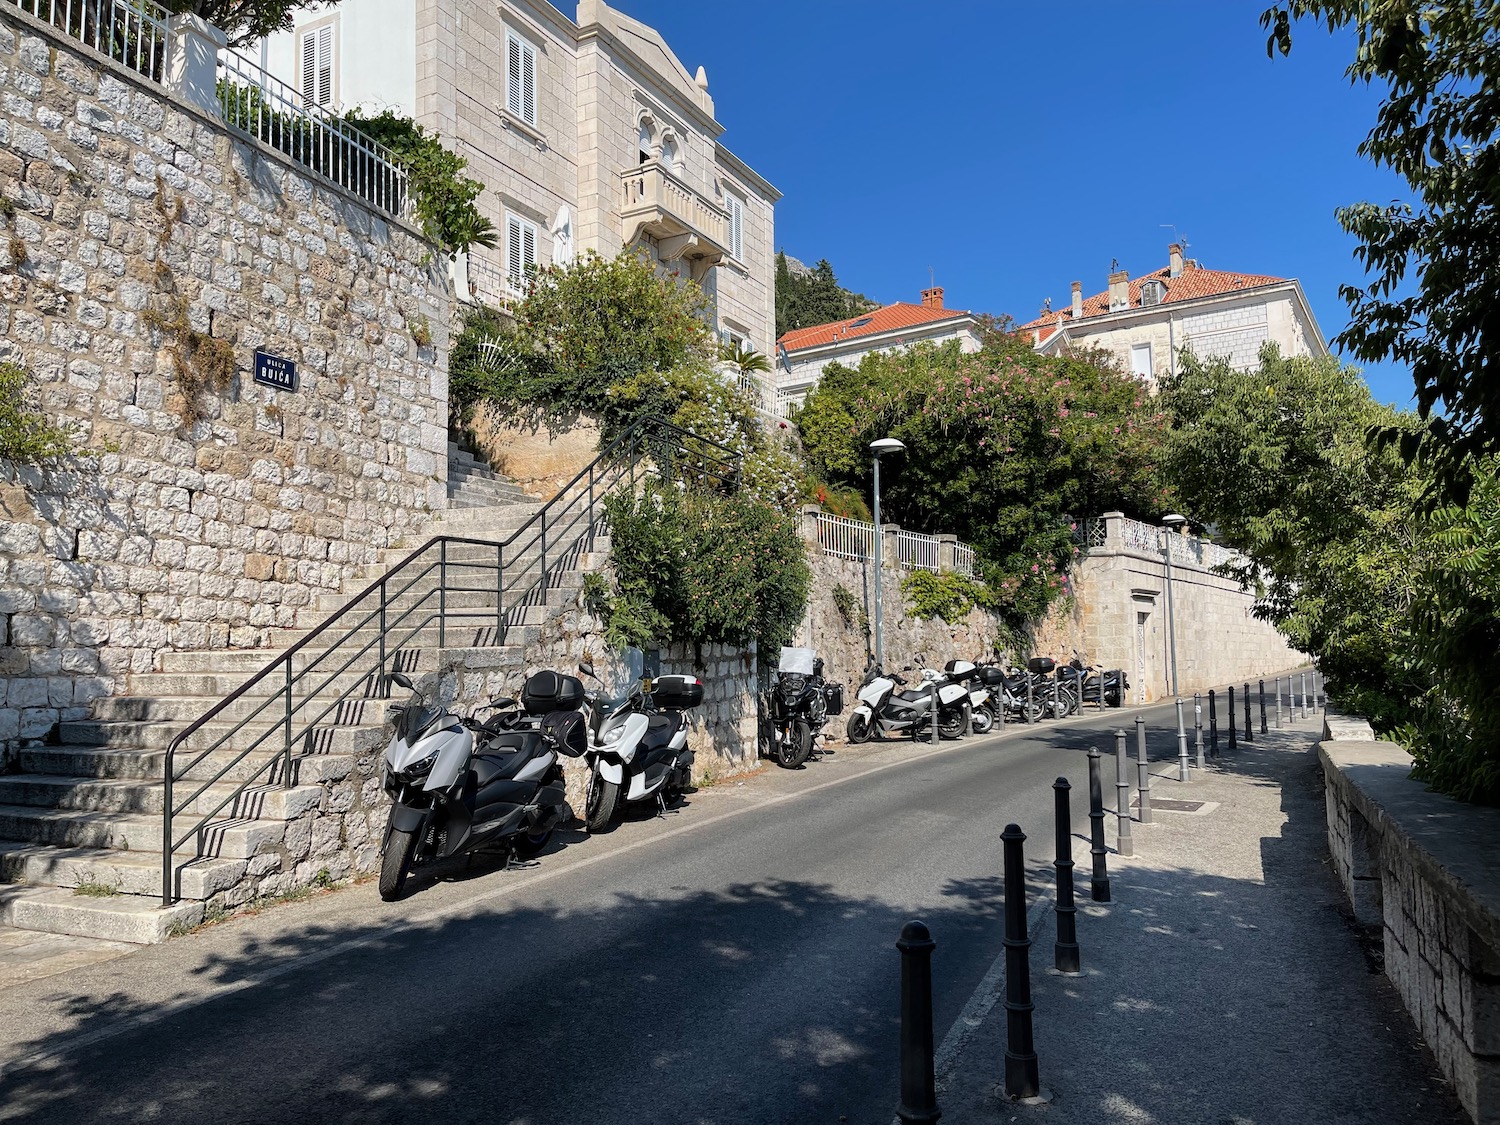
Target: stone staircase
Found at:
x=81, y=824
x=473, y=484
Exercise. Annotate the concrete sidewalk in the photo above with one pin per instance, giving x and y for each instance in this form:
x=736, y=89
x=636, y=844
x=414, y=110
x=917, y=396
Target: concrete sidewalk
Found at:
x=1224, y=984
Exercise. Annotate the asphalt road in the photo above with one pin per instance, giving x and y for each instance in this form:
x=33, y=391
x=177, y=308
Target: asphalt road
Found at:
x=733, y=962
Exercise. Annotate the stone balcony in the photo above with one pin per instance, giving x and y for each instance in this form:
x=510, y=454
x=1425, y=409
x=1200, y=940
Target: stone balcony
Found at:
x=687, y=226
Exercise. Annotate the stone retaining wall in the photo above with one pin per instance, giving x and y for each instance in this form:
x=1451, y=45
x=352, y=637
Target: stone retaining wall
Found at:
x=1426, y=869
x=140, y=236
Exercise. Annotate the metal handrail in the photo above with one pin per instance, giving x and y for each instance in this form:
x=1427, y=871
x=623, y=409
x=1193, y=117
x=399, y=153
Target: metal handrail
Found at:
x=524, y=552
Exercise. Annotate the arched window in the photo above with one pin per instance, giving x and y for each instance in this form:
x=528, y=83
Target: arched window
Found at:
x=669, y=156
x=647, y=140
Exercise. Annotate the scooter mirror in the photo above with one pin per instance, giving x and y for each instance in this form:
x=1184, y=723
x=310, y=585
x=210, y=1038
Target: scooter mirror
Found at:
x=587, y=669
x=401, y=679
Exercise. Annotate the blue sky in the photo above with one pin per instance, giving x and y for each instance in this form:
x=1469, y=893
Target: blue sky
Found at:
x=1015, y=147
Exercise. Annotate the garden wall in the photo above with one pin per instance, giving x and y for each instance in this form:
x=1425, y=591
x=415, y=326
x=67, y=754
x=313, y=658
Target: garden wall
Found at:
x=143, y=240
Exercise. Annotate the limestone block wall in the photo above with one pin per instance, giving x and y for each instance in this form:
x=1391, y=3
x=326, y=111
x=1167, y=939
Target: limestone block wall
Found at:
x=1415, y=864
x=1120, y=616
x=134, y=226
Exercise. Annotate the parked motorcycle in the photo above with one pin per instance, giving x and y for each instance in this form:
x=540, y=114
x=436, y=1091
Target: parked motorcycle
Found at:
x=883, y=710
x=982, y=704
x=799, y=703
x=458, y=786
x=637, y=744
x=1008, y=694
x=1105, y=686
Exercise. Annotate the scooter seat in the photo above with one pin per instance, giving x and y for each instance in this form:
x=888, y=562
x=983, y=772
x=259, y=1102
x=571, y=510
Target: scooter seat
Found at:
x=502, y=756
x=913, y=696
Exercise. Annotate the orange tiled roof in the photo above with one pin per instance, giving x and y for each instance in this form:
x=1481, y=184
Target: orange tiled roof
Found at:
x=887, y=319
x=1192, y=283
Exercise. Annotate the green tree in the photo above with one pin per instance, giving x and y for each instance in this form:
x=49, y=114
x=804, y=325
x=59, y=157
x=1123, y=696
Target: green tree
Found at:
x=246, y=20
x=1002, y=446
x=1432, y=264
x=805, y=300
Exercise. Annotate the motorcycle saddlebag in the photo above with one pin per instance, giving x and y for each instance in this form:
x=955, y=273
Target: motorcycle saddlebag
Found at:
x=550, y=691
x=833, y=694
x=677, y=693
x=1041, y=665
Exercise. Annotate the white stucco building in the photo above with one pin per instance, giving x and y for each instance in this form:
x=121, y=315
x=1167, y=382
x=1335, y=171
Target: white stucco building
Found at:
x=1145, y=322
x=803, y=353
x=588, y=133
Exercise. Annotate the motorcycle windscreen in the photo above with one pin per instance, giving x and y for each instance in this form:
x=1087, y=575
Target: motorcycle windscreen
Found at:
x=798, y=661
x=622, y=675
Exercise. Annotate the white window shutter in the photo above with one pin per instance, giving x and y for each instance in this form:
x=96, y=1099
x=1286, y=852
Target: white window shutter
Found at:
x=513, y=77
x=736, y=228
x=528, y=86
x=513, y=251
x=309, y=67
x=325, y=65
x=528, y=251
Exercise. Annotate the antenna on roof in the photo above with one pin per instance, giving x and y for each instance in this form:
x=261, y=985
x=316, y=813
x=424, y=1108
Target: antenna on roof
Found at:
x=931, y=278
x=1180, y=239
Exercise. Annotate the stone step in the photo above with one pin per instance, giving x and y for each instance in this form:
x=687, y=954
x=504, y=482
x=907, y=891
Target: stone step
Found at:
x=465, y=628
x=149, y=765
x=159, y=735
x=493, y=491
x=118, y=795
x=183, y=709
x=217, y=685
x=467, y=595
x=133, y=832
x=133, y=918
x=248, y=661
x=129, y=873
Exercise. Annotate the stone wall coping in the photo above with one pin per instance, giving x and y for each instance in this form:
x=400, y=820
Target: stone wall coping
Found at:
x=1455, y=846
x=157, y=90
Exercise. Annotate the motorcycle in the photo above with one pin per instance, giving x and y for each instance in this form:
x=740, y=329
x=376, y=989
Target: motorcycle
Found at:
x=1105, y=686
x=1058, y=697
x=1008, y=694
x=883, y=710
x=800, y=702
x=458, y=786
x=637, y=743
x=982, y=705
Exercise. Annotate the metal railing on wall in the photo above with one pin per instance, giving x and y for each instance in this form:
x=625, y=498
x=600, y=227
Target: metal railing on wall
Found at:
x=1148, y=539
x=276, y=114
x=842, y=538
x=131, y=32
x=465, y=592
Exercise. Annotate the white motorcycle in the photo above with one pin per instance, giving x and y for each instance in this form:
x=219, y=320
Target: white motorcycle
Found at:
x=637, y=743
x=882, y=710
x=981, y=704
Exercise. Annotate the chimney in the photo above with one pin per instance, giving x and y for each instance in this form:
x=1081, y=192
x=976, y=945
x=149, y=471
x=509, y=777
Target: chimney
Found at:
x=1119, y=290
x=1077, y=300
x=1174, y=257
x=932, y=298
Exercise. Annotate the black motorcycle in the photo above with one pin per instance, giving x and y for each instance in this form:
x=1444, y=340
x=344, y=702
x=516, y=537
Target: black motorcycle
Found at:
x=800, y=703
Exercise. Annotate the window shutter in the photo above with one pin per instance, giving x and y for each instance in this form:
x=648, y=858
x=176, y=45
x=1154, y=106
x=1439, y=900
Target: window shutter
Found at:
x=513, y=251
x=736, y=228
x=325, y=65
x=528, y=85
x=309, y=67
x=513, y=77
x=528, y=251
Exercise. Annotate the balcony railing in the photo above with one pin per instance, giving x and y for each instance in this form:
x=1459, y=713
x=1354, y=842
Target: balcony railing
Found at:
x=842, y=538
x=686, y=225
x=1113, y=532
x=131, y=32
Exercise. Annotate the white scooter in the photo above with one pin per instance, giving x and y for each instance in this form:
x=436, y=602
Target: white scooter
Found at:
x=981, y=706
x=882, y=710
x=637, y=743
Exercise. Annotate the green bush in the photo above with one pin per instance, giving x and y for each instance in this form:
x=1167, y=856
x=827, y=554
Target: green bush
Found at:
x=704, y=568
x=27, y=436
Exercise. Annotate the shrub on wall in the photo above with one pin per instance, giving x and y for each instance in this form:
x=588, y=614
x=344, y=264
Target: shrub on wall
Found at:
x=703, y=568
x=27, y=436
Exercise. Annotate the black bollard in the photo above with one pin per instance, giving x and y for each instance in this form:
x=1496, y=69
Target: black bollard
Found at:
x=1143, y=771
x=1213, y=724
x=1249, y=731
x=1232, y=719
x=918, y=1076
x=1198, y=727
x=1022, y=1079
x=1099, y=883
x=1262, y=706
x=1065, y=951
x=1123, y=842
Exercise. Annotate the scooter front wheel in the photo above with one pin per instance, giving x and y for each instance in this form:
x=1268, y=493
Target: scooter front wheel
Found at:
x=858, y=728
x=599, y=808
x=395, y=863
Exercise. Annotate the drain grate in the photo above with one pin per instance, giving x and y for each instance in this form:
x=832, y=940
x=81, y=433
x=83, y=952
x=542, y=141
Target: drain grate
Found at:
x=1168, y=805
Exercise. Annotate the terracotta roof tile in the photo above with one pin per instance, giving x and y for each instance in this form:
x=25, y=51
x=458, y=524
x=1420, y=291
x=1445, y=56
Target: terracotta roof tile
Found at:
x=887, y=319
x=1189, y=285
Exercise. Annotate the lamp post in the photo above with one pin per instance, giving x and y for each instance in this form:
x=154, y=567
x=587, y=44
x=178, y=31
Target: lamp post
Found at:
x=1172, y=521
x=884, y=445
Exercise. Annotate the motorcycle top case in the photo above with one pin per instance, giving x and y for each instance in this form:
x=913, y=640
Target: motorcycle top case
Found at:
x=549, y=691
x=677, y=693
x=833, y=694
x=992, y=676
x=1041, y=664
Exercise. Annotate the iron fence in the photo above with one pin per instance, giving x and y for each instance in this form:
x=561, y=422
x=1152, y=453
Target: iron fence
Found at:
x=844, y=538
x=131, y=32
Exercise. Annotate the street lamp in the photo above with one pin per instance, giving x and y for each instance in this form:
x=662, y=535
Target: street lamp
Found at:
x=1172, y=522
x=884, y=445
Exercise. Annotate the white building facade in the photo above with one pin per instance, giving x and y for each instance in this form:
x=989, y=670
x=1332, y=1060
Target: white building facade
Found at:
x=1146, y=322
x=588, y=134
